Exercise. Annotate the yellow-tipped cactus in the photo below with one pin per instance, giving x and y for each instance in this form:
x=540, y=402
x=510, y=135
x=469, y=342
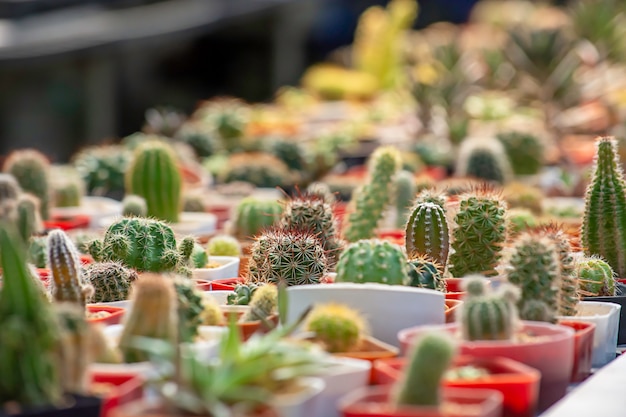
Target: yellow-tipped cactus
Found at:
x=263, y=304
x=338, y=327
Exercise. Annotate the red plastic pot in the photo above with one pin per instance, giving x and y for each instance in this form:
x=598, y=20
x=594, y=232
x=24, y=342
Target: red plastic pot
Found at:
x=396, y=236
x=437, y=173
x=518, y=383
x=225, y=284
x=455, y=295
x=77, y=221
x=127, y=388
x=583, y=347
x=456, y=284
x=202, y=284
x=453, y=306
x=115, y=316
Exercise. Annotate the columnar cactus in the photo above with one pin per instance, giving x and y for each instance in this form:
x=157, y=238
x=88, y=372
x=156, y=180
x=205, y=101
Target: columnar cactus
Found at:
x=427, y=233
x=154, y=175
x=199, y=256
x=370, y=201
x=405, y=190
x=153, y=316
x=38, y=251
x=484, y=158
x=525, y=151
x=253, y=215
x=479, y=235
x=338, y=327
x=111, y=281
x=595, y=277
x=9, y=192
x=75, y=352
x=134, y=206
x=263, y=303
x=426, y=273
x=569, y=298
x=31, y=170
x=190, y=307
x=28, y=218
x=223, y=245
x=144, y=245
x=604, y=223
x=66, y=271
x=373, y=261
x=485, y=315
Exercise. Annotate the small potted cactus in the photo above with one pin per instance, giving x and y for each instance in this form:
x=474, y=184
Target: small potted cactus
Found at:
x=222, y=254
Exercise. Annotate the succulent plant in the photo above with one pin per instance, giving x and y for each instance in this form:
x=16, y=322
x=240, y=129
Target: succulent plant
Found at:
x=253, y=215
x=212, y=314
x=28, y=219
x=82, y=239
x=338, y=327
x=228, y=117
x=322, y=190
x=111, y=281
x=484, y=158
x=520, y=220
x=595, y=277
x=426, y=273
x=427, y=232
x=193, y=203
x=9, y=192
x=568, y=291
x=38, y=251
x=242, y=294
x=223, y=245
x=291, y=152
x=102, y=168
x=258, y=168
x=373, y=261
x=264, y=303
x=190, y=307
x=204, y=141
x=154, y=175
x=405, y=190
x=199, y=256
x=524, y=150
x=134, y=206
x=31, y=170
x=69, y=191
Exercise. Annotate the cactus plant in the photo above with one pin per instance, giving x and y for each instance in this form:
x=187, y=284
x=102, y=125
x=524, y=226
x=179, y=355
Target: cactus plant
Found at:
x=228, y=117
x=427, y=232
x=568, y=294
x=111, y=281
x=199, y=256
x=189, y=306
x=144, y=245
x=223, y=245
x=370, y=201
x=520, y=220
x=373, y=261
x=212, y=314
x=426, y=273
x=263, y=303
x=595, y=277
x=405, y=190
x=242, y=294
x=338, y=327
x=193, y=203
x=31, y=170
x=322, y=190
x=68, y=191
x=134, y=206
x=28, y=218
x=484, y=158
x=604, y=222
x=253, y=215
x=102, y=168
x=200, y=137
x=291, y=152
x=9, y=192
x=258, y=168
x=38, y=251
x=154, y=175
x=524, y=150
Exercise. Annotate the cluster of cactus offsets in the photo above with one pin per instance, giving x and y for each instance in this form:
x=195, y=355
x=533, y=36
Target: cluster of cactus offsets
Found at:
x=373, y=261
x=484, y=158
x=427, y=233
x=369, y=202
x=338, y=327
x=9, y=192
x=253, y=215
x=311, y=213
x=134, y=206
x=75, y=352
x=595, y=277
x=154, y=175
x=258, y=168
x=153, y=316
x=102, y=168
x=525, y=151
x=426, y=273
x=223, y=245
x=31, y=170
x=604, y=222
x=111, y=281
x=66, y=271
x=199, y=256
x=487, y=315
x=144, y=245
x=405, y=190
x=430, y=359
x=479, y=236
x=242, y=294
x=322, y=190
x=568, y=295
x=28, y=218
x=190, y=307
x=263, y=303
x=292, y=257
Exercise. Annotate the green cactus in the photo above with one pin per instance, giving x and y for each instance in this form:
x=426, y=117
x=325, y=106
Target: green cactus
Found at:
x=82, y=238
x=405, y=190
x=485, y=315
x=338, y=327
x=9, y=193
x=201, y=138
x=28, y=218
x=74, y=352
x=199, y=256
x=228, y=117
x=154, y=175
x=373, y=261
x=263, y=303
x=322, y=190
x=292, y=257
x=604, y=222
x=370, y=201
x=426, y=273
x=479, y=235
x=429, y=195
x=224, y=245
x=291, y=152
x=31, y=169
x=103, y=168
x=520, y=220
x=520, y=195
x=193, y=203
x=427, y=232
x=67, y=283
x=242, y=295
x=144, y=245
x=258, y=168
x=153, y=316
x=68, y=192
x=595, y=277
x=134, y=206
x=253, y=215
x=38, y=251
x=568, y=295
x=429, y=360
x=484, y=159
x=111, y=281
x=524, y=150
x=190, y=307
x=212, y=314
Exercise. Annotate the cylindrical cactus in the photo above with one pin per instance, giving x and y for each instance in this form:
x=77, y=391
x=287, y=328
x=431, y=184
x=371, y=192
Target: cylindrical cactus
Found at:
x=426, y=273
x=604, y=222
x=263, y=303
x=111, y=281
x=484, y=158
x=405, y=190
x=28, y=218
x=134, y=206
x=595, y=277
x=190, y=307
x=253, y=215
x=373, y=261
x=525, y=151
x=66, y=270
x=199, y=256
x=427, y=233
x=212, y=314
x=154, y=175
x=74, y=350
x=9, y=192
x=338, y=327
x=568, y=294
x=31, y=170
x=68, y=192
x=223, y=245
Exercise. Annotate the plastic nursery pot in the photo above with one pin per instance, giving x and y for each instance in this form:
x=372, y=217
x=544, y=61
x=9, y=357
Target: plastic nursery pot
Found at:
x=583, y=347
x=202, y=284
x=617, y=299
x=518, y=383
x=115, y=390
x=549, y=348
x=227, y=284
x=114, y=315
x=456, y=402
x=75, y=406
x=455, y=295
x=226, y=266
x=452, y=306
x=76, y=221
x=454, y=285
x=247, y=329
x=371, y=349
x=144, y=408
x=393, y=235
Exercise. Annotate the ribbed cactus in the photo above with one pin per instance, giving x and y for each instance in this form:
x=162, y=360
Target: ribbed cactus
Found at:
x=153, y=316
x=242, y=294
x=479, y=235
x=369, y=202
x=484, y=158
x=293, y=257
x=429, y=360
x=190, y=307
x=426, y=273
x=485, y=315
x=263, y=304
x=404, y=191
x=224, y=245
x=322, y=189
x=75, y=351
x=595, y=277
x=253, y=215
x=9, y=192
x=111, y=281
x=568, y=294
x=311, y=213
x=66, y=271
x=68, y=192
x=134, y=206
x=373, y=261
x=144, y=245
x=154, y=175
x=338, y=327
x=604, y=222
x=31, y=170
x=430, y=195
x=525, y=151
x=27, y=217
x=427, y=233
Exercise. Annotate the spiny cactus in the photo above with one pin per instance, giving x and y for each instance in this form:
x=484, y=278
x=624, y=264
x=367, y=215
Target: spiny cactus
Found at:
x=322, y=190
x=242, y=295
x=144, y=245
x=484, y=158
x=520, y=220
x=426, y=273
x=68, y=192
x=201, y=138
x=524, y=150
x=223, y=245
x=212, y=314
x=38, y=251
x=190, y=307
x=263, y=303
x=369, y=202
x=373, y=261
x=102, y=168
x=429, y=360
x=228, y=117
x=485, y=315
x=604, y=223
x=258, y=168
x=427, y=232
x=430, y=195
x=291, y=152
x=134, y=206
x=31, y=170
x=568, y=294
x=293, y=257
x=199, y=256
x=154, y=175
x=153, y=316
x=338, y=327
x=405, y=190
x=9, y=192
x=595, y=277
x=28, y=218
x=480, y=234
x=253, y=215
x=66, y=271
x=111, y=281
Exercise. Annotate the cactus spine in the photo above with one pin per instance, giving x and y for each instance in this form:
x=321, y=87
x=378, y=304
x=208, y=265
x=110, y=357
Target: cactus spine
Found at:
x=338, y=327
x=484, y=159
x=427, y=232
x=154, y=175
x=373, y=261
x=253, y=215
x=31, y=170
x=111, y=281
x=426, y=273
x=224, y=245
x=596, y=277
x=263, y=303
x=405, y=190
x=604, y=222
x=134, y=206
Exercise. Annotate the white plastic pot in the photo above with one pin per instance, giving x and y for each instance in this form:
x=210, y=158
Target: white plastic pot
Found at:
x=229, y=268
x=304, y=402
